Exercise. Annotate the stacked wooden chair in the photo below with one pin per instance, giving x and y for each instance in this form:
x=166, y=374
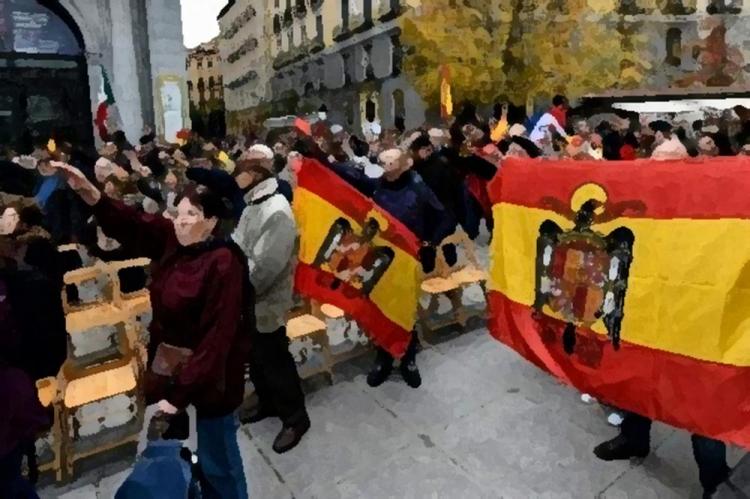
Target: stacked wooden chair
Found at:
x=98, y=406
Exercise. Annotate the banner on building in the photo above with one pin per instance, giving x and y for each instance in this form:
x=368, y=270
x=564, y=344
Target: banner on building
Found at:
x=356, y=256
x=631, y=282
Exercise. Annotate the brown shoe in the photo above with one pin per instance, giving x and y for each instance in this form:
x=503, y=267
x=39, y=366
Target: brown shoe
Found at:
x=290, y=436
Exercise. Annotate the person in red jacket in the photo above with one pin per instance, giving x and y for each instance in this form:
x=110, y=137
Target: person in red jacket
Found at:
x=200, y=296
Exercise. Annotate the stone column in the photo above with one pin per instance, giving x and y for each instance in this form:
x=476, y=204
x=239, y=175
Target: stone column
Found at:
x=125, y=71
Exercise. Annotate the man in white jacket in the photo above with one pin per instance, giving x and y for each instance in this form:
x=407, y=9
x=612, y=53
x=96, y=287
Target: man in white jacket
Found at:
x=267, y=233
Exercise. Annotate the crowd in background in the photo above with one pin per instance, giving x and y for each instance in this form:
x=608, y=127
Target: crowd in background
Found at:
x=433, y=179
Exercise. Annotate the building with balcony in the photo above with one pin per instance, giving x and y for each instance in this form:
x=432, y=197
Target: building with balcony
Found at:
x=245, y=61
x=345, y=54
x=205, y=80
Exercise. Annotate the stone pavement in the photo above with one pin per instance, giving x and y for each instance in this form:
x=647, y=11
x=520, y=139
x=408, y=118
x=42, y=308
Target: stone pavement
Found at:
x=484, y=424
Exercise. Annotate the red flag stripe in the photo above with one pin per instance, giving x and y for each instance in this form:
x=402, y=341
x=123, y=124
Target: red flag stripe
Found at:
x=323, y=182
x=314, y=283
x=702, y=397
x=648, y=181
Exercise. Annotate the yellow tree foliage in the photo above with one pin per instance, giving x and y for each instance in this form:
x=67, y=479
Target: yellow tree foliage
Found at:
x=467, y=36
x=573, y=47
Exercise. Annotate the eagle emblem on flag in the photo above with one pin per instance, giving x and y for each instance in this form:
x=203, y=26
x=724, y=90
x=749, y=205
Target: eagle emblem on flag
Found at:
x=582, y=274
x=352, y=257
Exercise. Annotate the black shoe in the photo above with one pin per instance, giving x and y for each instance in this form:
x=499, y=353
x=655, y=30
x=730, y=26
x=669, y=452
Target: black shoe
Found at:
x=410, y=373
x=380, y=372
x=290, y=436
x=256, y=414
x=619, y=448
x=709, y=488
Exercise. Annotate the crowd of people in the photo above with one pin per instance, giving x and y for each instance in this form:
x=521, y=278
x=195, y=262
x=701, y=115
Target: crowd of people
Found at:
x=215, y=218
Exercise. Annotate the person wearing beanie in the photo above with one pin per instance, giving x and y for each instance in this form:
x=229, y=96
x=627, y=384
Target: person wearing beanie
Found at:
x=203, y=318
x=267, y=234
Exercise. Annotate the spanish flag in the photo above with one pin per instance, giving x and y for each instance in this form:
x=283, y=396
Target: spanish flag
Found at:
x=356, y=256
x=631, y=282
x=446, y=99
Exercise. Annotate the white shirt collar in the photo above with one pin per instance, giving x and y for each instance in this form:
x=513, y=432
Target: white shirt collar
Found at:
x=266, y=187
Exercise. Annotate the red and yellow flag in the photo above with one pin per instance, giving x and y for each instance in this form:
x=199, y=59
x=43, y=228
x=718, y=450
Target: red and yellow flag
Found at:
x=356, y=256
x=631, y=282
x=446, y=98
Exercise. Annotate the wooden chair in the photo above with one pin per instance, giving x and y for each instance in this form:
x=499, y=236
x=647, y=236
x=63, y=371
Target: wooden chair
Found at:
x=102, y=387
x=50, y=445
x=451, y=283
x=354, y=347
x=307, y=328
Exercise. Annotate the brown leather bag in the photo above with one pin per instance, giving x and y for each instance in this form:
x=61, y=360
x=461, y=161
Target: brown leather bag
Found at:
x=169, y=359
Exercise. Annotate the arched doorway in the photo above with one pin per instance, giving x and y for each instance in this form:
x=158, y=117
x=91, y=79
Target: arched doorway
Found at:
x=44, y=86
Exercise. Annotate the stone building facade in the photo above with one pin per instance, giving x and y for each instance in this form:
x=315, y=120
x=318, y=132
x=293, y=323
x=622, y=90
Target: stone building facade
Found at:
x=137, y=43
x=245, y=63
x=205, y=81
x=344, y=54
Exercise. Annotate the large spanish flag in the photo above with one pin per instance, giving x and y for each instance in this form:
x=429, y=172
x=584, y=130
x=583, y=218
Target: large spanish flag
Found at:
x=656, y=254
x=370, y=271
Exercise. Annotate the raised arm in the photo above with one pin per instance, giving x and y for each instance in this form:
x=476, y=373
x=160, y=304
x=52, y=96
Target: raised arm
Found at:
x=139, y=233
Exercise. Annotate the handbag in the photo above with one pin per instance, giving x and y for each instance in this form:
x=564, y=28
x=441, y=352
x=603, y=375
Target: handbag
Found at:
x=169, y=359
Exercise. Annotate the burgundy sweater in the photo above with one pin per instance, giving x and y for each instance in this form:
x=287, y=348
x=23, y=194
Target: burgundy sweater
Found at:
x=199, y=297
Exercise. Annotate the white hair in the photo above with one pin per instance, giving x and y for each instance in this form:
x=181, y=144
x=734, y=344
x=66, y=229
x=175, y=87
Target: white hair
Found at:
x=261, y=150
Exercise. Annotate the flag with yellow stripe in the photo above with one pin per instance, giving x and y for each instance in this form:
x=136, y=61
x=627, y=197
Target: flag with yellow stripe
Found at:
x=356, y=256
x=631, y=282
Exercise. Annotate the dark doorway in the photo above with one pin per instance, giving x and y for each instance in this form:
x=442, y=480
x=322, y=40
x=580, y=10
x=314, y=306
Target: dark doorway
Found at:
x=44, y=86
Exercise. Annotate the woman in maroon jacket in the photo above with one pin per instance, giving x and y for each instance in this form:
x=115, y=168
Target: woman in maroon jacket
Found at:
x=202, y=315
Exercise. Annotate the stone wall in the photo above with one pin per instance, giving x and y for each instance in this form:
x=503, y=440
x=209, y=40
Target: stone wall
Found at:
x=109, y=29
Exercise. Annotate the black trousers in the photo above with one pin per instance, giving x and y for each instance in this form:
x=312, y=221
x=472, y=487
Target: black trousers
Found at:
x=274, y=375
x=12, y=483
x=383, y=357
x=710, y=455
x=428, y=257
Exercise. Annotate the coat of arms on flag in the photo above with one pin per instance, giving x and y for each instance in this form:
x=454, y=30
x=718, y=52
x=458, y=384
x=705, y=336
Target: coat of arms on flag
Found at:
x=356, y=256
x=630, y=282
x=582, y=275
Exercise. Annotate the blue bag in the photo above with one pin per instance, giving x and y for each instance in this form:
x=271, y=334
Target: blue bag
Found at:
x=161, y=472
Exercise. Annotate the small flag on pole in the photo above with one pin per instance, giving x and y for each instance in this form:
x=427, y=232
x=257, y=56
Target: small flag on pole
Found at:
x=446, y=99
x=106, y=100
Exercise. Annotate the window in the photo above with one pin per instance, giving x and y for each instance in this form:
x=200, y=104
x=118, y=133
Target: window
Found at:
x=210, y=63
x=724, y=7
x=399, y=106
x=674, y=47
x=345, y=15
x=370, y=110
x=200, y=63
x=319, y=27
x=303, y=33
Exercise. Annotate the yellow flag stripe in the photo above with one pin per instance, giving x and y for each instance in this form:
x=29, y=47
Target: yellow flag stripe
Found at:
x=689, y=278
x=397, y=293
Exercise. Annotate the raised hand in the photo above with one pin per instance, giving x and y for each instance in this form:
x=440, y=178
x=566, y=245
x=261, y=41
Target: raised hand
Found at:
x=78, y=182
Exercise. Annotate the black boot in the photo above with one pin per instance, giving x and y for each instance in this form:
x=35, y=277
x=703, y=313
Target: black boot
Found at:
x=381, y=370
x=256, y=414
x=410, y=373
x=290, y=436
x=620, y=448
x=409, y=370
x=714, y=482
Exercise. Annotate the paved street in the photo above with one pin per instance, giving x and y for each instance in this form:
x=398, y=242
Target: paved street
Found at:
x=484, y=424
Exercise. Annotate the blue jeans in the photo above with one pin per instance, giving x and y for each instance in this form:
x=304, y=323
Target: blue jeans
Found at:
x=219, y=458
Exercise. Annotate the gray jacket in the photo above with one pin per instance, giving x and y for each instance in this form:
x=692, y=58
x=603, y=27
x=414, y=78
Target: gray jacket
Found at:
x=267, y=234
